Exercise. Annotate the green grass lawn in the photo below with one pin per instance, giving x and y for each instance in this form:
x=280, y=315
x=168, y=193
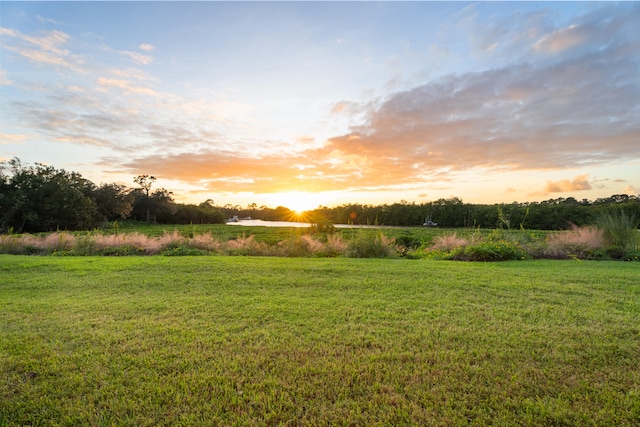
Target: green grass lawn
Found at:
x=298, y=341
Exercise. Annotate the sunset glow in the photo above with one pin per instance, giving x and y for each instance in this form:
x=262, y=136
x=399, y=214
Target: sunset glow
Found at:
x=302, y=104
x=297, y=201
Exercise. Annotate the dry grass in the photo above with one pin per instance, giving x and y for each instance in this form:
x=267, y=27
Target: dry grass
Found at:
x=245, y=246
x=576, y=242
x=449, y=242
x=205, y=242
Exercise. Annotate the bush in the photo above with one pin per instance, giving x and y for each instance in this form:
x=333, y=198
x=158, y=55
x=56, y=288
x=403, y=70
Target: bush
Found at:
x=123, y=250
x=488, y=251
x=184, y=251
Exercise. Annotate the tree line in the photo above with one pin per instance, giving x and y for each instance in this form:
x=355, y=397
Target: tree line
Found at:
x=35, y=198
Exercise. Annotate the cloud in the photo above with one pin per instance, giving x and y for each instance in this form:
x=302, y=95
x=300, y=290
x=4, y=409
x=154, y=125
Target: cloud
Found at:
x=105, y=83
x=8, y=32
x=4, y=80
x=49, y=20
x=576, y=111
x=46, y=49
x=579, y=183
x=146, y=47
x=7, y=138
x=137, y=57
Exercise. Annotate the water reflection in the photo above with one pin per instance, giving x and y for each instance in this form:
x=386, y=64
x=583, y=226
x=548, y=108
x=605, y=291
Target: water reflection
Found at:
x=261, y=223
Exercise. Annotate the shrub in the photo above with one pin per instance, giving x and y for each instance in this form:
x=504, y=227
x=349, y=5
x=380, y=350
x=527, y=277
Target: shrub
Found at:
x=184, y=251
x=123, y=250
x=488, y=251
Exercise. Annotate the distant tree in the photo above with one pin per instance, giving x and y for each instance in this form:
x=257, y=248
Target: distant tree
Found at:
x=145, y=182
x=151, y=206
x=42, y=198
x=113, y=202
x=158, y=206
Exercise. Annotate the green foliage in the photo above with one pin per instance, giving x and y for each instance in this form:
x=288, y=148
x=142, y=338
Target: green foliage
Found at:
x=42, y=198
x=85, y=245
x=620, y=228
x=184, y=251
x=122, y=250
x=488, y=251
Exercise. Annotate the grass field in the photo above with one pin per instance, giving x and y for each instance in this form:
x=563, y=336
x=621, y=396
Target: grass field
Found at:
x=301, y=341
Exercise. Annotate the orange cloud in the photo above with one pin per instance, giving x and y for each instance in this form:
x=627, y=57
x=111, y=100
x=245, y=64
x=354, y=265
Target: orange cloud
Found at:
x=579, y=183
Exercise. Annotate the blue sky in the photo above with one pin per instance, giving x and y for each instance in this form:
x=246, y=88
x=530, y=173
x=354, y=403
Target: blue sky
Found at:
x=303, y=104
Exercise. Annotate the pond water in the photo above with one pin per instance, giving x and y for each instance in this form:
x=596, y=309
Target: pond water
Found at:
x=259, y=222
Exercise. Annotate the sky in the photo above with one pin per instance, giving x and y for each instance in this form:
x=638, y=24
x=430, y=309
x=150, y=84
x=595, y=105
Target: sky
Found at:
x=302, y=104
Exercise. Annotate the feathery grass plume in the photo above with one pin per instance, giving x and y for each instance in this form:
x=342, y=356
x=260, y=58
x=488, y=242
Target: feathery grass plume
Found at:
x=335, y=246
x=205, y=242
x=11, y=244
x=123, y=244
x=170, y=240
x=576, y=242
x=246, y=246
x=300, y=246
x=448, y=242
x=620, y=229
x=58, y=242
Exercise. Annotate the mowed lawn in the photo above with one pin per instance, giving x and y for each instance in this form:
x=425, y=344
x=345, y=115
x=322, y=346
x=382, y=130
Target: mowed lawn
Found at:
x=277, y=341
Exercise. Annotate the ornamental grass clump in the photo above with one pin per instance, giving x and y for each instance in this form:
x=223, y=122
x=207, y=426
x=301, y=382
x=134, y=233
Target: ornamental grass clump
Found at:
x=204, y=242
x=245, y=246
x=299, y=246
x=335, y=246
x=578, y=242
x=620, y=229
x=57, y=242
x=366, y=245
x=449, y=242
x=125, y=244
x=12, y=244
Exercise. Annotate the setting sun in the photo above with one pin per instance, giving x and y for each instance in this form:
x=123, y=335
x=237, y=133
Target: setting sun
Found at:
x=298, y=201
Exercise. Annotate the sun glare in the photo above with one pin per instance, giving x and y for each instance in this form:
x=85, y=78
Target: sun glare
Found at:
x=299, y=201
